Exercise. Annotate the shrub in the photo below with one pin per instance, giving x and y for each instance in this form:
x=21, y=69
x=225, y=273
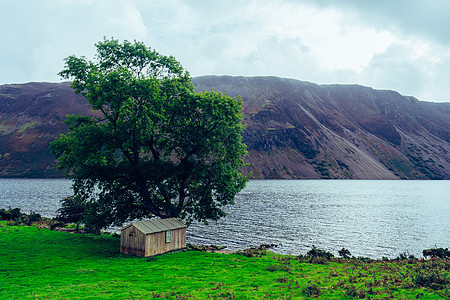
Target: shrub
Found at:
x=364, y=259
x=18, y=217
x=431, y=278
x=315, y=252
x=54, y=224
x=252, y=252
x=319, y=260
x=282, y=280
x=256, y=251
x=404, y=256
x=436, y=252
x=16, y=213
x=311, y=290
x=34, y=217
x=344, y=253
x=5, y=215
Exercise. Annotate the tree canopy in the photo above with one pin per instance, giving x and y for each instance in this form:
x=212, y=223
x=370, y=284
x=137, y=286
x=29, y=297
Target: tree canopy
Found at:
x=156, y=148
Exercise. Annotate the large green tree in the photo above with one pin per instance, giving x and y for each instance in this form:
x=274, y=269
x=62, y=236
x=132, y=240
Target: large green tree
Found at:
x=156, y=148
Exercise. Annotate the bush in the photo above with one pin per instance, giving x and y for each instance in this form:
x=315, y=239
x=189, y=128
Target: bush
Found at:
x=256, y=251
x=353, y=293
x=16, y=213
x=312, y=290
x=431, y=278
x=17, y=217
x=11, y=214
x=34, y=217
x=315, y=252
x=436, y=252
x=344, y=253
x=252, y=252
x=404, y=256
x=5, y=215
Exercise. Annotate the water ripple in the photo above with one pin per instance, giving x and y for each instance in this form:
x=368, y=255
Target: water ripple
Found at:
x=370, y=218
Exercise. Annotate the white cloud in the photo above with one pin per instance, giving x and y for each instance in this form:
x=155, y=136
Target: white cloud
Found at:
x=40, y=34
x=378, y=44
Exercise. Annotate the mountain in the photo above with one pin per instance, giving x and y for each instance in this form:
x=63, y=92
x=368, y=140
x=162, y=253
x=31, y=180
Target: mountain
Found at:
x=30, y=118
x=299, y=129
x=295, y=129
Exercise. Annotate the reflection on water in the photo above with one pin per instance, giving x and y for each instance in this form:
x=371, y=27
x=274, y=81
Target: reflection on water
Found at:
x=370, y=218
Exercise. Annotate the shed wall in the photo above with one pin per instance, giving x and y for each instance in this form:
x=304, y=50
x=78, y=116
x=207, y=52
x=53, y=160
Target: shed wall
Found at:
x=156, y=243
x=132, y=241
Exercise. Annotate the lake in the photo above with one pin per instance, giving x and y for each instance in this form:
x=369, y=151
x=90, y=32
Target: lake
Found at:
x=372, y=218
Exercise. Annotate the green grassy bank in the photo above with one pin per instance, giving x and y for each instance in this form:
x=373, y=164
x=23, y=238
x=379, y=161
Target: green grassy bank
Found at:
x=43, y=264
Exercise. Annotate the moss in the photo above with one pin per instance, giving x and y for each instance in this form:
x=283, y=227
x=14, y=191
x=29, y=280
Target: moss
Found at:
x=4, y=128
x=26, y=126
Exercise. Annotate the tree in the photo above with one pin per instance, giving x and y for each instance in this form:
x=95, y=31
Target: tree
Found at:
x=156, y=148
x=72, y=210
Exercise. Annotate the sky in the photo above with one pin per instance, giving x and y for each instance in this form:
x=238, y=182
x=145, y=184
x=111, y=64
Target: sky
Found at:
x=401, y=45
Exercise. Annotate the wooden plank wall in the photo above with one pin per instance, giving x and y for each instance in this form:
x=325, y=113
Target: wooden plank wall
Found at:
x=156, y=243
x=132, y=241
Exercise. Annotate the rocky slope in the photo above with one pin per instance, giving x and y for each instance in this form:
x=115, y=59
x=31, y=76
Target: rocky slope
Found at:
x=302, y=130
x=30, y=117
x=294, y=129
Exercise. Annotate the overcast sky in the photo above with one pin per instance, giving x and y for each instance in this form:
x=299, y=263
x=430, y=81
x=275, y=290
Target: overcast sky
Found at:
x=402, y=45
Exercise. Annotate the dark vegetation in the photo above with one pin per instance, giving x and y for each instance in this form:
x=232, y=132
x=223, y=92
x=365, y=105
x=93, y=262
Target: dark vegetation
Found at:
x=14, y=215
x=37, y=263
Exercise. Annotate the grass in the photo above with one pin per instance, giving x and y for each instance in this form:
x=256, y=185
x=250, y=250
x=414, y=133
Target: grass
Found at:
x=43, y=264
x=26, y=126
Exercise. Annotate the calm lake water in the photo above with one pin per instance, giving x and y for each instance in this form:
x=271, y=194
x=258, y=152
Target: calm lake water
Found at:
x=370, y=218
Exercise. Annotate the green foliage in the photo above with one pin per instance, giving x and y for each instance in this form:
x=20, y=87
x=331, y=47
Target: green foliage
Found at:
x=252, y=252
x=157, y=149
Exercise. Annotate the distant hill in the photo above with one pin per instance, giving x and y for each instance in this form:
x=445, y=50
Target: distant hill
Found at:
x=299, y=129
x=30, y=117
x=294, y=129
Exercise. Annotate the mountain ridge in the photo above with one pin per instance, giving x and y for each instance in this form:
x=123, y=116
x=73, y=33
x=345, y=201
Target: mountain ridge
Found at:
x=295, y=129
x=322, y=121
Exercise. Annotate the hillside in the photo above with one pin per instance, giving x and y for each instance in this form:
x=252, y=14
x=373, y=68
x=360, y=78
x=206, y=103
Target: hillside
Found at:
x=302, y=130
x=30, y=118
x=294, y=129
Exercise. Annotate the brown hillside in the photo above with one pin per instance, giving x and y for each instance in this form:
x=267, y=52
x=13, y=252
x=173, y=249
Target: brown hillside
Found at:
x=294, y=129
x=302, y=130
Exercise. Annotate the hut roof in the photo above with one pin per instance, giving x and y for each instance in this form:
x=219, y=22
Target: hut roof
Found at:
x=153, y=226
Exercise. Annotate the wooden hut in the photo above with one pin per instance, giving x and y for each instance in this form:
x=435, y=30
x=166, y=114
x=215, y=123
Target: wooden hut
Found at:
x=153, y=237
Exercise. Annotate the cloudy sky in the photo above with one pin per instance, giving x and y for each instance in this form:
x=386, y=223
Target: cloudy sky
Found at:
x=402, y=45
